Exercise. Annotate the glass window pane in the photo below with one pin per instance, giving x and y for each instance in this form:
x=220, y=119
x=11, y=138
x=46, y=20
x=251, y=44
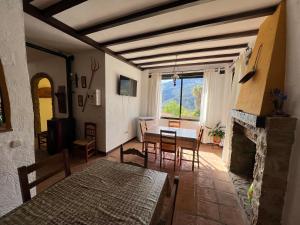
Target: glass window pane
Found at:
x=170, y=97
x=191, y=98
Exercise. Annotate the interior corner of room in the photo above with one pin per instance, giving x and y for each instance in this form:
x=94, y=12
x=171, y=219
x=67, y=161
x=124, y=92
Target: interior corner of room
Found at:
x=95, y=77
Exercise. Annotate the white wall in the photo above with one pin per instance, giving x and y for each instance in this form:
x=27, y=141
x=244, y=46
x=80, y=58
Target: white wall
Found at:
x=95, y=114
x=16, y=147
x=292, y=205
x=55, y=67
x=121, y=111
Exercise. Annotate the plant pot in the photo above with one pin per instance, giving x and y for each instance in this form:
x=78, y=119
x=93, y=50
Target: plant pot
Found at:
x=216, y=140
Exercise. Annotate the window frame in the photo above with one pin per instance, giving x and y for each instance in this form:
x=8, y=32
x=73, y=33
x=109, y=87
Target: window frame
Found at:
x=5, y=104
x=182, y=76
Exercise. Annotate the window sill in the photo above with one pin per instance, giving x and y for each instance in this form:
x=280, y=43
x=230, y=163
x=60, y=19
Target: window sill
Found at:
x=4, y=129
x=170, y=118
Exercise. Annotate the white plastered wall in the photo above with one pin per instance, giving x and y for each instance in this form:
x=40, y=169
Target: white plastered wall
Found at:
x=292, y=204
x=121, y=111
x=17, y=146
x=55, y=67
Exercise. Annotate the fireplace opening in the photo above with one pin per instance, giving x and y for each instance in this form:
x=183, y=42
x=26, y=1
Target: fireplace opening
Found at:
x=242, y=163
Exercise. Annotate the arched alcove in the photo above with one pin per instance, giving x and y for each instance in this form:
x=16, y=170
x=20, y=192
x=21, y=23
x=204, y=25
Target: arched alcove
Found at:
x=5, y=124
x=35, y=82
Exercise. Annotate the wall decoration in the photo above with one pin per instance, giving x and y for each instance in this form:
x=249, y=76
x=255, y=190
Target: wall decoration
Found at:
x=61, y=98
x=76, y=80
x=83, y=81
x=94, y=68
x=44, y=92
x=80, y=100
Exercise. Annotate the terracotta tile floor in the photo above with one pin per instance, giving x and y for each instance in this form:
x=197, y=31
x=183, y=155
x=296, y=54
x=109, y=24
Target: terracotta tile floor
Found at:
x=205, y=196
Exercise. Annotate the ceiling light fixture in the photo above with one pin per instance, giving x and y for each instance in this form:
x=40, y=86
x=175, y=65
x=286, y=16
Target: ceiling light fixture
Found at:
x=175, y=74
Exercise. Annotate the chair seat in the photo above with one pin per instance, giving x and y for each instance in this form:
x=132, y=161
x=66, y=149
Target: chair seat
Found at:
x=83, y=142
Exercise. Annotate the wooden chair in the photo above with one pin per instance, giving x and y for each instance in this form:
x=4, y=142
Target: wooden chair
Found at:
x=133, y=151
x=167, y=218
x=42, y=138
x=168, y=143
x=60, y=160
x=143, y=127
x=174, y=123
x=195, y=151
x=89, y=141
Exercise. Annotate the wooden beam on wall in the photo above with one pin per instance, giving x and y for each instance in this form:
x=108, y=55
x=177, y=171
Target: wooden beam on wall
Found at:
x=188, y=59
x=60, y=7
x=203, y=23
x=189, y=64
x=219, y=48
x=144, y=14
x=35, y=12
x=195, y=40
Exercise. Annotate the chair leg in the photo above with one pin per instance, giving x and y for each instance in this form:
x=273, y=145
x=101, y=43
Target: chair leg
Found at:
x=155, y=150
x=160, y=158
x=198, y=159
x=86, y=154
x=180, y=160
x=175, y=161
x=193, y=160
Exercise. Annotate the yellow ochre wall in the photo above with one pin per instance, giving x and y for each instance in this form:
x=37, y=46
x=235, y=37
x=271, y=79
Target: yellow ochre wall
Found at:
x=255, y=95
x=45, y=105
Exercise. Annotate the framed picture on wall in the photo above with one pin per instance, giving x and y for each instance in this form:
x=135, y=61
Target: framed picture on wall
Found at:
x=80, y=100
x=83, y=81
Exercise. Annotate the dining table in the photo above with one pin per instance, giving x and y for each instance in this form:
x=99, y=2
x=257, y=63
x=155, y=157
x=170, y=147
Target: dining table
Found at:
x=107, y=192
x=185, y=138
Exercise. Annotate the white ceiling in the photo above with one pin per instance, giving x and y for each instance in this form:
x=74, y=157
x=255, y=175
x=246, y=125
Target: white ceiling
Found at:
x=97, y=11
x=40, y=33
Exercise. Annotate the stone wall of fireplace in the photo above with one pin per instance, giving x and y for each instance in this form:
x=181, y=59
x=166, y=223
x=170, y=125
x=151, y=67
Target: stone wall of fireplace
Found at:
x=261, y=155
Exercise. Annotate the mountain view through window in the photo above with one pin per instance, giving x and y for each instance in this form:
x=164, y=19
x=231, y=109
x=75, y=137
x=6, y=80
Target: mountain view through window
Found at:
x=183, y=100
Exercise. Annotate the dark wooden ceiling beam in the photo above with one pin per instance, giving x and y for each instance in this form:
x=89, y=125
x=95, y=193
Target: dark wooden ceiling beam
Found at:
x=35, y=12
x=189, y=64
x=219, y=37
x=144, y=14
x=203, y=23
x=60, y=7
x=189, y=59
x=219, y=48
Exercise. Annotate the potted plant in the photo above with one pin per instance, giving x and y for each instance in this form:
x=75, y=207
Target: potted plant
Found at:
x=278, y=99
x=217, y=133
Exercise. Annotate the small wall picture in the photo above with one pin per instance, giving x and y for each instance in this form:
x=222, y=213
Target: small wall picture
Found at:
x=83, y=81
x=80, y=100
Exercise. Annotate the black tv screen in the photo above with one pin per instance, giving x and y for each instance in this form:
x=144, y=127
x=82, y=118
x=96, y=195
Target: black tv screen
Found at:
x=127, y=86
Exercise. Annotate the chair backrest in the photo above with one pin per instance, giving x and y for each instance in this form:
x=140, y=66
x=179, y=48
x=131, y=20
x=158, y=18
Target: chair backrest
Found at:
x=168, y=140
x=174, y=123
x=90, y=131
x=200, y=135
x=143, y=128
x=133, y=151
x=60, y=159
x=168, y=216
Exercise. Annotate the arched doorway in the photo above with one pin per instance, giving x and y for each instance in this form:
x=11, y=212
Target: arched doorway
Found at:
x=43, y=100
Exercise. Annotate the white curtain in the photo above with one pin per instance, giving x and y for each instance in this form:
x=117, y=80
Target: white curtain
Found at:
x=212, y=101
x=240, y=68
x=154, y=96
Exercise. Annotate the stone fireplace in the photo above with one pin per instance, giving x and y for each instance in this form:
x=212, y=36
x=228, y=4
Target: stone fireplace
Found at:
x=260, y=153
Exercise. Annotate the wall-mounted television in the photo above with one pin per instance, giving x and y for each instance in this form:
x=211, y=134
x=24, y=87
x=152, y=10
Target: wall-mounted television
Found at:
x=127, y=86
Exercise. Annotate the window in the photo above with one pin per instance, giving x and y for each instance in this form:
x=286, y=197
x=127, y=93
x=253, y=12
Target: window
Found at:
x=4, y=104
x=183, y=100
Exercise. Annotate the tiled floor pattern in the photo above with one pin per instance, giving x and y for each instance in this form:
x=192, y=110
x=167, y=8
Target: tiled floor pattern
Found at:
x=205, y=196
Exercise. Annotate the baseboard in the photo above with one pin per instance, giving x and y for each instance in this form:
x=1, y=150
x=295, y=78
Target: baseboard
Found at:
x=117, y=147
